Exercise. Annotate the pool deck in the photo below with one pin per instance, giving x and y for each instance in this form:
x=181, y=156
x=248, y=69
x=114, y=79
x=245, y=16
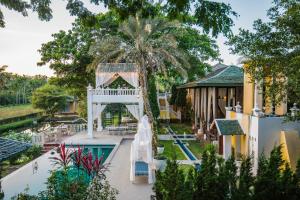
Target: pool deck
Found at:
x=118, y=174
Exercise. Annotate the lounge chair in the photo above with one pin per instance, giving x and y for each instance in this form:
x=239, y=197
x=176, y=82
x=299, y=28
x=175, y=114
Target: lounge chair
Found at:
x=141, y=168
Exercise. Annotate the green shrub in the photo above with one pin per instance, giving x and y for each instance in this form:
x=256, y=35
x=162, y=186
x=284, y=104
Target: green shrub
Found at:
x=34, y=151
x=22, y=137
x=16, y=125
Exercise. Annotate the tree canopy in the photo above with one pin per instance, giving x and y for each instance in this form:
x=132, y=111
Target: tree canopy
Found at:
x=272, y=51
x=50, y=98
x=214, y=17
x=17, y=89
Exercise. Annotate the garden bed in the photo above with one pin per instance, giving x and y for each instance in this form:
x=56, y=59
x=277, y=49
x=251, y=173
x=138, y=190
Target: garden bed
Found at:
x=181, y=128
x=19, y=160
x=170, y=149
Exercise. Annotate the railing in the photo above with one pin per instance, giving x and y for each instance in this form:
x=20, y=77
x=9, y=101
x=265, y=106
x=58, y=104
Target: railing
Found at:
x=55, y=134
x=120, y=91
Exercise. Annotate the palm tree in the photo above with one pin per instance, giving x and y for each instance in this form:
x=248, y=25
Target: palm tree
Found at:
x=146, y=42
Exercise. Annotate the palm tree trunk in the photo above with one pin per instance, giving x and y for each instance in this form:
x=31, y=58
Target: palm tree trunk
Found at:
x=144, y=86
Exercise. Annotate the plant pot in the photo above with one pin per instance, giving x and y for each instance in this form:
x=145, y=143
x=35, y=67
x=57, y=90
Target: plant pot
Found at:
x=160, y=164
x=160, y=149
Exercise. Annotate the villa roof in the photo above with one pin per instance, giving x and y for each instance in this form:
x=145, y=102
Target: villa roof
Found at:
x=222, y=75
x=116, y=67
x=228, y=127
x=9, y=148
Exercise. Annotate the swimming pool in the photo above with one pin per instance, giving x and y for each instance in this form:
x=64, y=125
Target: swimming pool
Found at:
x=97, y=150
x=24, y=177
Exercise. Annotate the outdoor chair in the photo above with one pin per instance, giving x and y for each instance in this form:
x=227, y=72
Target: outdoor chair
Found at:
x=141, y=168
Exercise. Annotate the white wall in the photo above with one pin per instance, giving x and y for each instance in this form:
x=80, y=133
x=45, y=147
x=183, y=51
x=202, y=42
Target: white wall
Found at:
x=269, y=132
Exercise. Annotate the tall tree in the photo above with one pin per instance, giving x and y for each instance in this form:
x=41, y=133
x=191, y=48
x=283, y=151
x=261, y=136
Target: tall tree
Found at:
x=49, y=98
x=245, y=180
x=272, y=51
x=268, y=174
x=145, y=42
x=214, y=17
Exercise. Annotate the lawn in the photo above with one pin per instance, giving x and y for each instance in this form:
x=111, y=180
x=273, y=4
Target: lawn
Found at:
x=182, y=128
x=17, y=111
x=170, y=148
x=195, y=147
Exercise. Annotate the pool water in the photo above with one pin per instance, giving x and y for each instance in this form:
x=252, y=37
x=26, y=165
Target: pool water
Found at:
x=96, y=150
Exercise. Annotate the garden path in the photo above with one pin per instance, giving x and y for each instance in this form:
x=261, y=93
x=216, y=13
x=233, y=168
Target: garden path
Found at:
x=118, y=176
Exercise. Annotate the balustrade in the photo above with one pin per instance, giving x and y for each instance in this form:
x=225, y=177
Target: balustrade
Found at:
x=120, y=91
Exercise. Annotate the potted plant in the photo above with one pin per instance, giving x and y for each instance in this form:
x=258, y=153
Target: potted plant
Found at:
x=160, y=162
x=160, y=148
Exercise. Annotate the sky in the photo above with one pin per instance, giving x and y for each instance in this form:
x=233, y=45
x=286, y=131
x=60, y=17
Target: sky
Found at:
x=23, y=36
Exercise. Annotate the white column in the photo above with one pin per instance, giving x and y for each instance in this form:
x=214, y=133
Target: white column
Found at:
x=256, y=110
x=90, y=110
x=226, y=146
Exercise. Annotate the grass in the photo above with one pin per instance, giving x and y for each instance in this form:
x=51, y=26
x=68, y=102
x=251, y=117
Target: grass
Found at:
x=170, y=148
x=182, y=128
x=196, y=147
x=17, y=111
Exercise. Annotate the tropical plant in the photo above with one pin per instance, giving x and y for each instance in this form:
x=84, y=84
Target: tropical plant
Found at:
x=100, y=189
x=77, y=158
x=145, y=42
x=87, y=163
x=64, y=156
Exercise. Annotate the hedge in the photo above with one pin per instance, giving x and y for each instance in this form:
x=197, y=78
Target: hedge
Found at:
x=19, y=118
x=15, y=125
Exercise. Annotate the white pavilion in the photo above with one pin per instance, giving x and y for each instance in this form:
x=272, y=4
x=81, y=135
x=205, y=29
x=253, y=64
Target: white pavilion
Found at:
x=102, y=94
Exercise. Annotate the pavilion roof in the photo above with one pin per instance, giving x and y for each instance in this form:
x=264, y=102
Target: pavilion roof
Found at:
x=116, y=67
x=9, y=148
x=221, y=76
x=228, y=127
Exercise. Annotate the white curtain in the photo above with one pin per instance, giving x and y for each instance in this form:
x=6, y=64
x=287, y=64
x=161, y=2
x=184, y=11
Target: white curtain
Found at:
x=211, y=110
x=141, y=148
x=98, y=109
x=103, y=77
x=112, y=79
x=203, y=104
x=131, y=78
x=134, y=110
x=197, y=99
x=222, y=100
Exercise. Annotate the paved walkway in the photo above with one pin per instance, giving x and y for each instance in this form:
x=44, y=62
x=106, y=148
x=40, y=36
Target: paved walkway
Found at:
x=118, y=176
x=25, y=177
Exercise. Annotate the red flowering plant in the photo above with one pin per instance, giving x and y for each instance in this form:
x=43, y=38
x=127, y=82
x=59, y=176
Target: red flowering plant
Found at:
x=87, y=163
x=64, y=156
x=99, y=168
x=77, y=158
